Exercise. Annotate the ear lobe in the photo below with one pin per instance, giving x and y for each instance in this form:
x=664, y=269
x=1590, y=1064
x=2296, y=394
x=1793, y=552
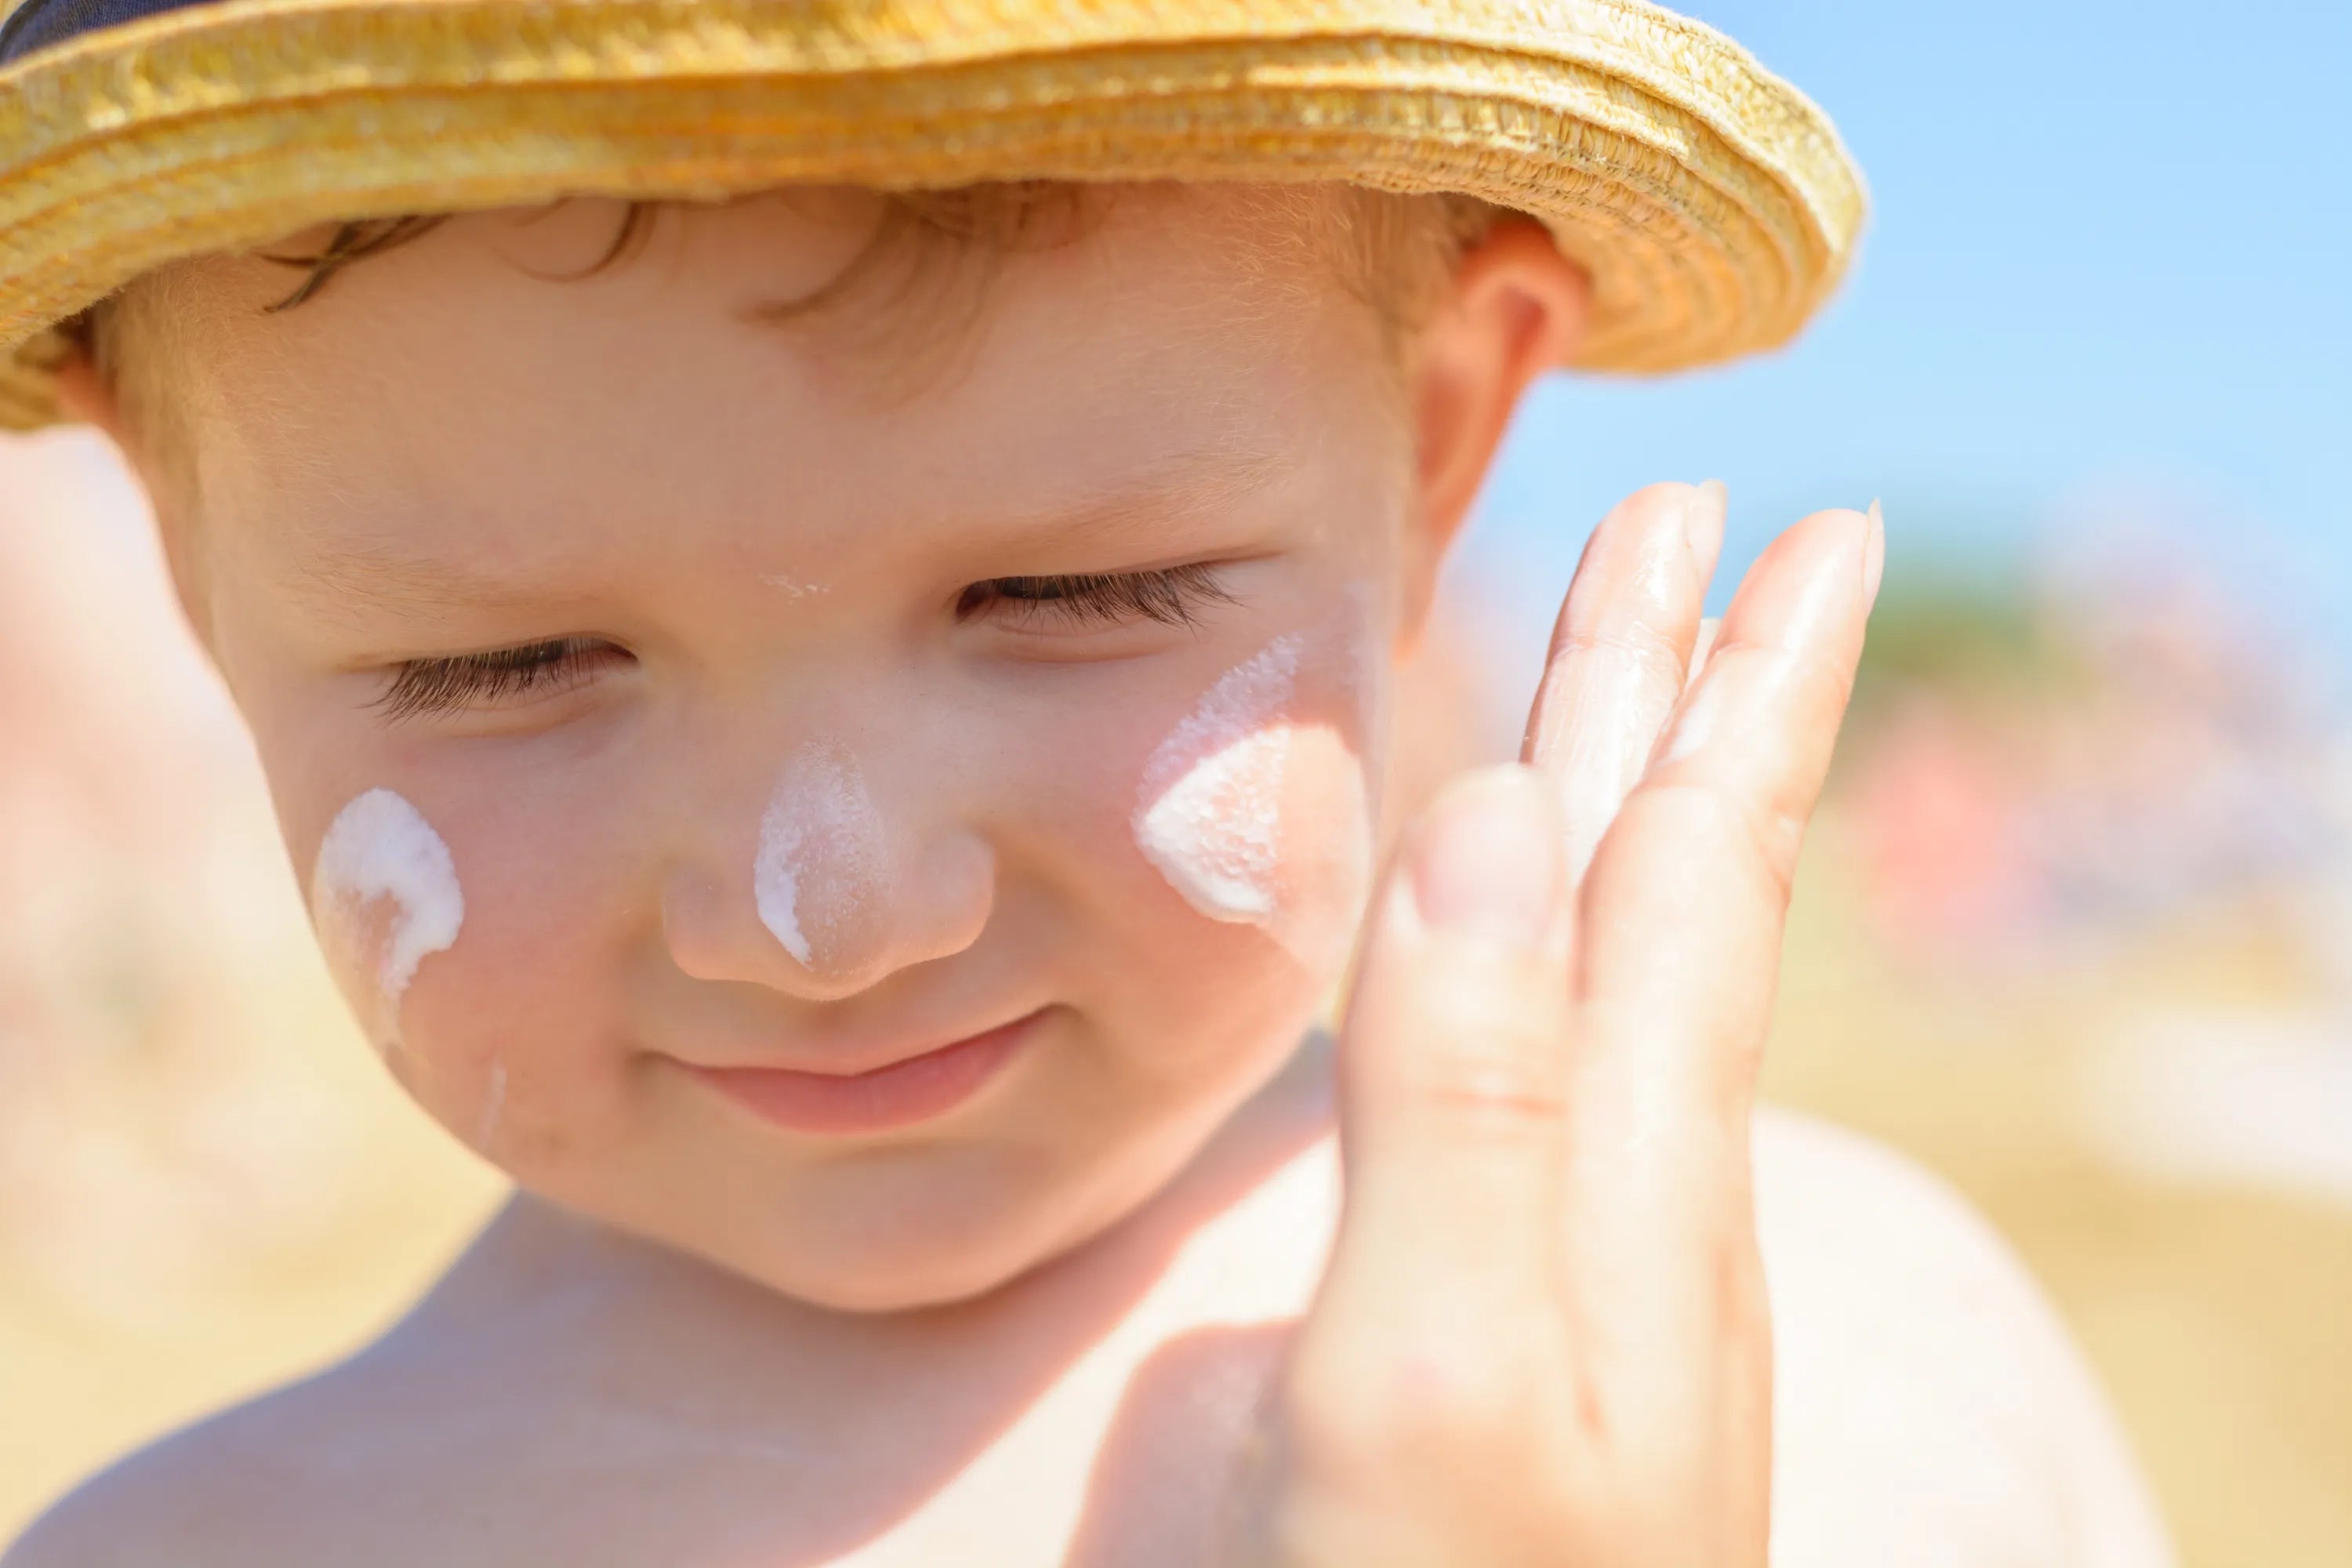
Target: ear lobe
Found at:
x=1515, y=309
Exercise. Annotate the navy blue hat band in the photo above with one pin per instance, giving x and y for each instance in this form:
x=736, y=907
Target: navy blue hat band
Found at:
x=38, y=24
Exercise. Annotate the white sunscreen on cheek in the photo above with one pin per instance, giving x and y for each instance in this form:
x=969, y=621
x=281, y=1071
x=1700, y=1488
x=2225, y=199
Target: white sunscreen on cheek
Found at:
x=1209, y=814
x=380, y=847
x=820, y=859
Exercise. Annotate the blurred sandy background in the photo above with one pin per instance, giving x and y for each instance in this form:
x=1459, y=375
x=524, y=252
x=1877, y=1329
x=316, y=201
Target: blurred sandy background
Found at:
x=2076, y=931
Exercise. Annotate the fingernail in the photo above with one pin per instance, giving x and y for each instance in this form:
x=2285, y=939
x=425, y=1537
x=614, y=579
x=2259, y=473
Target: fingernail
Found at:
x=1488, y=860
x=1874, y=555
x=1703, y=517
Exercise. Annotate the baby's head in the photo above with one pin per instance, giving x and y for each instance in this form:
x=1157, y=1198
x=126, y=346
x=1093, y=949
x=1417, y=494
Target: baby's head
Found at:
x=834, y=631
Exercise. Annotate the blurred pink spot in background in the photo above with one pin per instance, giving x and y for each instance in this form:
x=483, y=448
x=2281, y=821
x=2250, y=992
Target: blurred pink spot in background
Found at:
x=1936, y=819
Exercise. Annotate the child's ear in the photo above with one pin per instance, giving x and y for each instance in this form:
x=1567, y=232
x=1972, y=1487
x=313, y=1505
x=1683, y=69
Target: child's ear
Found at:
x=1516, y=308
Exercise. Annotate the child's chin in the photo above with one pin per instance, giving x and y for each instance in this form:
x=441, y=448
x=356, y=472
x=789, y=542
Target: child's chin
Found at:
x=933, y=1249
x=876, y=1284
x=878, y=1294
x=893, y=1256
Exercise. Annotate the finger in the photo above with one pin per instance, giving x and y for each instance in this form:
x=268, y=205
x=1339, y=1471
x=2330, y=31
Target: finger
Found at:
x=1681, y=926
x=1619, y=652
x=1699, y=870
x=1453, y=1059
x=1679, y=947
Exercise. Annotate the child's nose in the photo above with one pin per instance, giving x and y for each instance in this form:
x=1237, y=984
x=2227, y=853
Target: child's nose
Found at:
x=831, y=889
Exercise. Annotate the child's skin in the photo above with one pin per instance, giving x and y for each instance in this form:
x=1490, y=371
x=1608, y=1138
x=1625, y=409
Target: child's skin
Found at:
x=1034, y=1327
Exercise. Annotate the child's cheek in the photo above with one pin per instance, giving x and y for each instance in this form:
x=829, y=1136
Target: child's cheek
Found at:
x=1256, y=809
x=385, y=897
x=387, y=901
x=437, y=933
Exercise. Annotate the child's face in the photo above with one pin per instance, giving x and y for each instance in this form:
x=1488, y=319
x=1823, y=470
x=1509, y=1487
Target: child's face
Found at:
x=808, y=788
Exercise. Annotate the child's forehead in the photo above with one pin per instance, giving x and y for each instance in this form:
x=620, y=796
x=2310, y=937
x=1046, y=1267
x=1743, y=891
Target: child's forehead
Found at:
x=549, y=446
x=1164, y=310
x=1151, y=270
x=1167, y=498
x=474, y=385
x=1157, y=237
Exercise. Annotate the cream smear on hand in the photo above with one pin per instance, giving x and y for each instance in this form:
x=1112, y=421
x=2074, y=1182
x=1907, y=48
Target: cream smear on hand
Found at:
x=380, y=847
x=1210, y=817
x=820, y=857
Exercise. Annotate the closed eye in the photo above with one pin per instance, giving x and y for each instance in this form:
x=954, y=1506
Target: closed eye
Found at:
x=499, y=677
x=1170, y=596
x=506, y=678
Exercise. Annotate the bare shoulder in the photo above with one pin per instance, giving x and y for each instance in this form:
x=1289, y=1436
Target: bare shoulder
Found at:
x=1928, y=1404
x=284, y=1479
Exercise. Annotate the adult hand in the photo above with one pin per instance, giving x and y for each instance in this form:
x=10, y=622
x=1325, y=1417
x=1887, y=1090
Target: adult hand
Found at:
x=1543, y=1337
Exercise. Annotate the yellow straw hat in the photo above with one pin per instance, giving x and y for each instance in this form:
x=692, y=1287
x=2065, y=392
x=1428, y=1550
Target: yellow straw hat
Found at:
x=1713, y=204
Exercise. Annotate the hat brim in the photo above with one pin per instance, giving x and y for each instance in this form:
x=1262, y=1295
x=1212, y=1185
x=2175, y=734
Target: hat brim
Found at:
x=1713, y=204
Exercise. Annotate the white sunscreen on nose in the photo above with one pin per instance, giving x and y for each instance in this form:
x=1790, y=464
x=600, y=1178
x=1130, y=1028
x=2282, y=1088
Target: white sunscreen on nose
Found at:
x=1210, y=816
x=820, y=857
x=381, y=847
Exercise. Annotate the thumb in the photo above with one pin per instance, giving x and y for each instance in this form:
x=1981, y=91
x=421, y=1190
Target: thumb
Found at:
x=1453, y=1063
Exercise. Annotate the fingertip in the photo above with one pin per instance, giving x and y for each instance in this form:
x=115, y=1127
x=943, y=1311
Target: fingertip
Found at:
x=1653, y=498
x=1669, y=516
x=1664, y=504
x=1843, y=522
x=1801, y=567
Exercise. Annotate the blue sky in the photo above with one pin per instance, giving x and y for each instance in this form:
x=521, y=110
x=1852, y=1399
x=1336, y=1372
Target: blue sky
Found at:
x=2109, y=263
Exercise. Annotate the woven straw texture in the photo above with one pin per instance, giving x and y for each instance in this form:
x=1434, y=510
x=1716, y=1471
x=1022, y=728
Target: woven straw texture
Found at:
x=1713, y=204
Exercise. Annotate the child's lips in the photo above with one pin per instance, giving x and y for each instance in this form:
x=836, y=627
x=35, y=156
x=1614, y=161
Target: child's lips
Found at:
x=898, y=1094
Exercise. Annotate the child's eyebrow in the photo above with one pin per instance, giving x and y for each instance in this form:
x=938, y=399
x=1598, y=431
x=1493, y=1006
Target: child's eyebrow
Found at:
x=1197, y=483
x=338, y=573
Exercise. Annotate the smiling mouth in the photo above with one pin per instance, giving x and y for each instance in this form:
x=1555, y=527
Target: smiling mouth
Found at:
x=903, y=1094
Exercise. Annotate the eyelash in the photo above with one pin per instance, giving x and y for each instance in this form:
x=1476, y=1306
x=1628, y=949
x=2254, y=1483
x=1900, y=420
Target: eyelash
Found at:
x=1171, y=596
x=423, y=686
